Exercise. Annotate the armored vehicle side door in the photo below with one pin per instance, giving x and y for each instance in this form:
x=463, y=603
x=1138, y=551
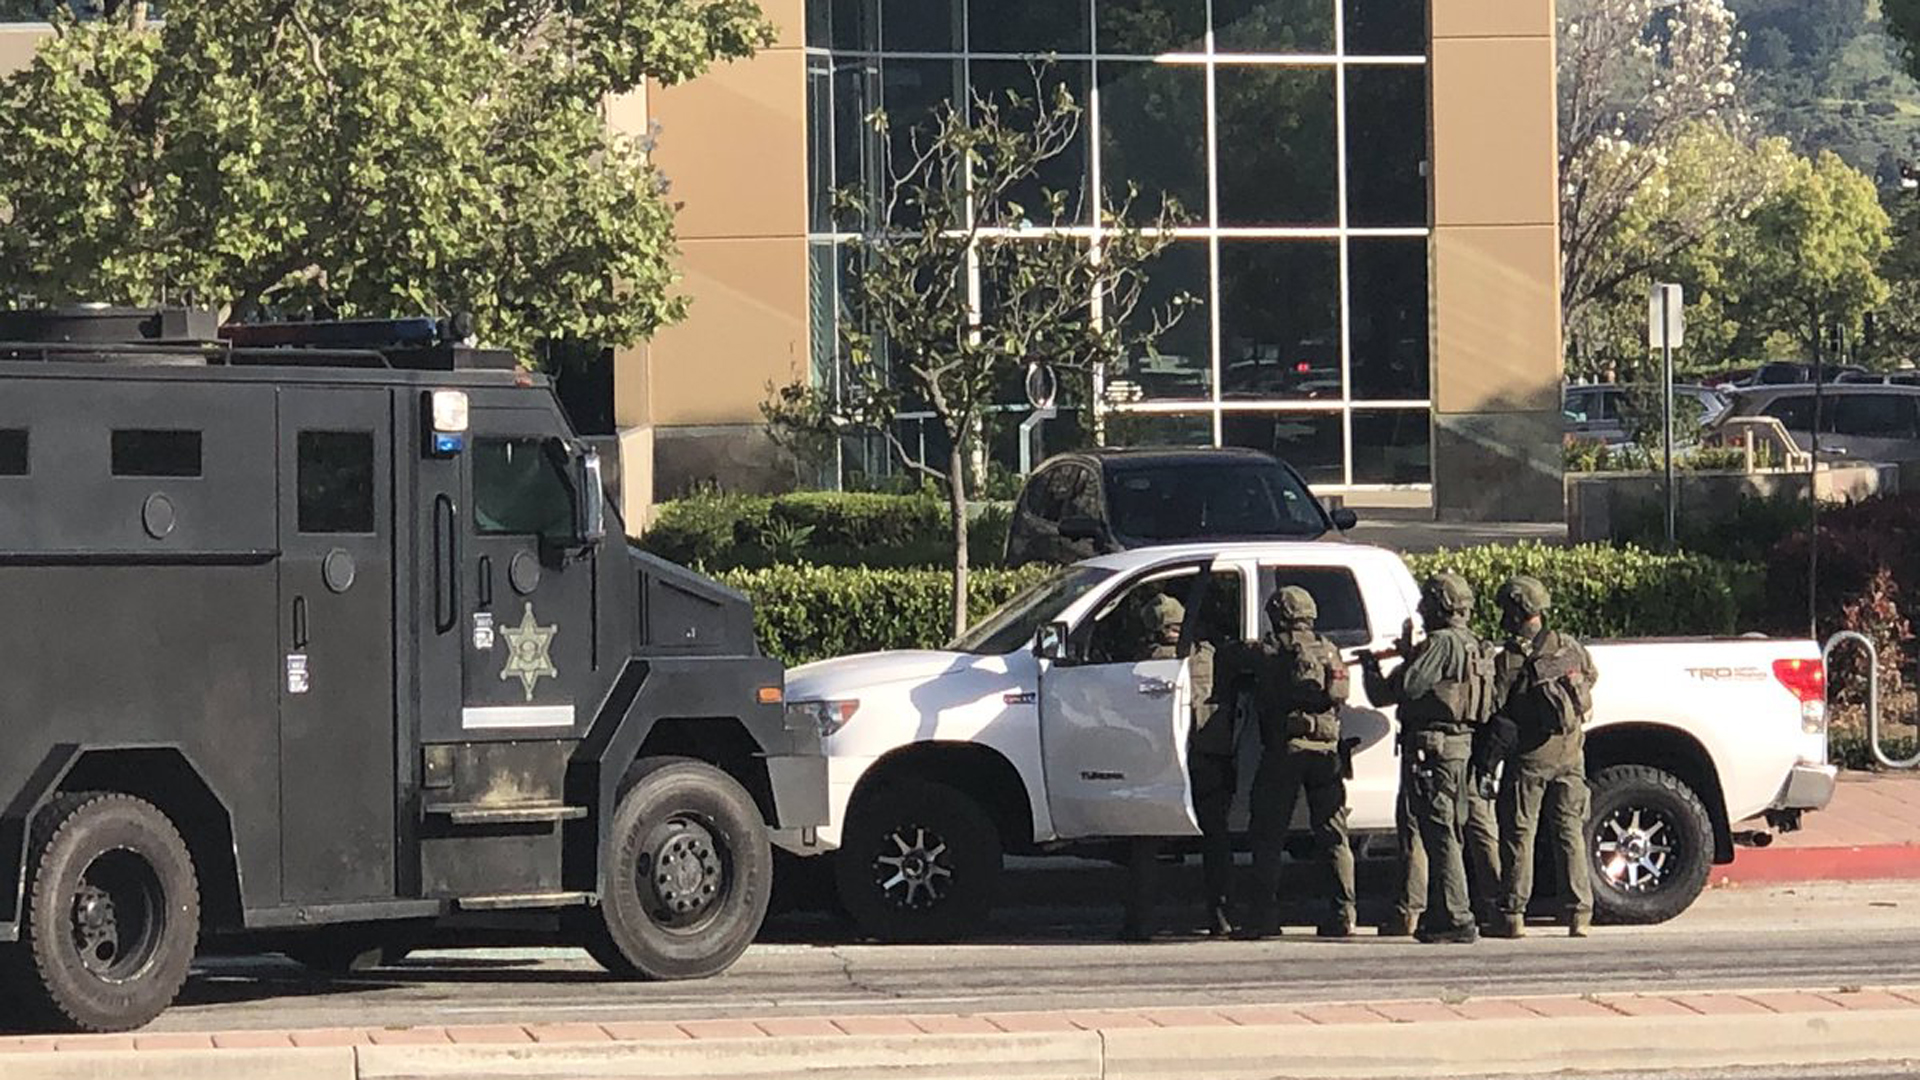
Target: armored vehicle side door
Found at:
x=336, y=634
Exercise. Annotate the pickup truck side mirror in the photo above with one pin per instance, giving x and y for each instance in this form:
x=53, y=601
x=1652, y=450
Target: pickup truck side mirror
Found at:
x=1080, y=528
x=1050, y=643
x=1344, y=519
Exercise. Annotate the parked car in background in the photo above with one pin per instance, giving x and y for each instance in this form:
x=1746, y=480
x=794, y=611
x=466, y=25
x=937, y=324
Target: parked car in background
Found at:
x=1871, y=423
x=1907, y=377
x=1603, y=412
x=1790, y=372
x=1092, y=502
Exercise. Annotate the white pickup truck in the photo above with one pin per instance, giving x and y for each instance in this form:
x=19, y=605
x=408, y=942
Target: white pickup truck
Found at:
x=1023, y=737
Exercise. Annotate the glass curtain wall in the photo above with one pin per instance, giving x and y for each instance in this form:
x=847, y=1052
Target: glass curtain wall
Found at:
x=1293, y=133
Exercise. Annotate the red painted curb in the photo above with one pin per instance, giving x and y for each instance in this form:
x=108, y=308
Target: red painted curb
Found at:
x=1879, y=862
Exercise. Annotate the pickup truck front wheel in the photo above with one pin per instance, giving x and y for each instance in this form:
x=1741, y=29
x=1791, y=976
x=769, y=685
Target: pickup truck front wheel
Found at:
x=1651, y=844
x=917, y=863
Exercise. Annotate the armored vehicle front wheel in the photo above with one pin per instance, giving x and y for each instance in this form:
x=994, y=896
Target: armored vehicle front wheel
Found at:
x=688, y=871
x=112, y=916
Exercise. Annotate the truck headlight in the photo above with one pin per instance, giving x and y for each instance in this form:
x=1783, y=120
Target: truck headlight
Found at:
x=826, y=716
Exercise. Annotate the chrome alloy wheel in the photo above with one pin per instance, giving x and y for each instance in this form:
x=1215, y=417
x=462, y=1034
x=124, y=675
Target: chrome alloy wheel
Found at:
x=918, y=873
x=1634, y=848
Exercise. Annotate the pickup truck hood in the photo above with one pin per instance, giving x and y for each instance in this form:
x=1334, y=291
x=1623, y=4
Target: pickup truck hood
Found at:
x=852, y=674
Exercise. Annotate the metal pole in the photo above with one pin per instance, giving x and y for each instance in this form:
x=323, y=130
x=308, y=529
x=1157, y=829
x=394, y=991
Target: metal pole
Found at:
x=1666, y=393
x=1813, y=489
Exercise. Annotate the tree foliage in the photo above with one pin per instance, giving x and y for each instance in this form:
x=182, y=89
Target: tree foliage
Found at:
x=1903, y=22
x=1812, y=254
x=369, y=156
x=966, y=195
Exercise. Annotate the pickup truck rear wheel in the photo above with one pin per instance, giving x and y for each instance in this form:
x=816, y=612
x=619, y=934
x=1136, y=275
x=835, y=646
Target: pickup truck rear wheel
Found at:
x=918, y=862
x=1651, y=844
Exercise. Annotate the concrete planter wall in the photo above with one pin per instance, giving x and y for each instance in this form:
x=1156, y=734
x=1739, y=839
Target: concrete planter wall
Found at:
x=1595, y=501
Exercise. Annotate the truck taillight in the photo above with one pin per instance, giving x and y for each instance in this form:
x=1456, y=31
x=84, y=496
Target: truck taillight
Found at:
x=1807, y=679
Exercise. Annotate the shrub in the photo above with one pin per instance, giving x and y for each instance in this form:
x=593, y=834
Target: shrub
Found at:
x=716, y=531
x=1608, y=592
x=804, y=613
x=1747, y=531
x=1869, y=582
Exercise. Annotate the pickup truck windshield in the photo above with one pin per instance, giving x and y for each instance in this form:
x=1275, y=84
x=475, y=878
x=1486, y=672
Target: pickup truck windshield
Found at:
x=1014, y=624
x=1174, y=503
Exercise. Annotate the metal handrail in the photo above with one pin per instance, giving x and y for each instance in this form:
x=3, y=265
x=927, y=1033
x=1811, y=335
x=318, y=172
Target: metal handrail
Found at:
x=1873, y=696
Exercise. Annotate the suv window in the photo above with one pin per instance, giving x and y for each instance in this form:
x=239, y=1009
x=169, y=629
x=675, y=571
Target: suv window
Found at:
x=1343, y=617
x=1880, y=416
x=1795, y=413
x=1176, y=503
x=1084, y=499
x=518, y=490
x=1048, y=492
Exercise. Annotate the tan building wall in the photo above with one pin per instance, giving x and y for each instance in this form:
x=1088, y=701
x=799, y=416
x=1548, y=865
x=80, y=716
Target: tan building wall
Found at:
x=1496, y=305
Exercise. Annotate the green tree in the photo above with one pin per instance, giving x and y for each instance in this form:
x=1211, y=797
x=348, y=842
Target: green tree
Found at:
x=1812, y=255
x=1903, y=22
x=375, y=156
x=965, y=194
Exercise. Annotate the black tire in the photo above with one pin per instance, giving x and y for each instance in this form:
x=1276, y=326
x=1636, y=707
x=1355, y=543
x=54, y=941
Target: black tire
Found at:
x=918, y=862
x=1649, y=842
x=112, y=915
x=688, y=869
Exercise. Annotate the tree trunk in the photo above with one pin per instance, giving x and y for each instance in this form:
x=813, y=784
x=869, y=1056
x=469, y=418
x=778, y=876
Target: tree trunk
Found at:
x=957, y=506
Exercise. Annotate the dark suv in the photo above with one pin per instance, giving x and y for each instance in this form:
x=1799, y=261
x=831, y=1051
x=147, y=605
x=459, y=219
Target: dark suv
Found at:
x=1091, y=502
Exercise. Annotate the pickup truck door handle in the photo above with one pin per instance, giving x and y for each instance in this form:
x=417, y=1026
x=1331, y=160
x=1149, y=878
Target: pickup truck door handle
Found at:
x=1155, y=687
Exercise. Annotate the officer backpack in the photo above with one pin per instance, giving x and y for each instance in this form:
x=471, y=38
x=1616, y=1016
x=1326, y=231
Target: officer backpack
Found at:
x=1318, y=686
x=1555, y=692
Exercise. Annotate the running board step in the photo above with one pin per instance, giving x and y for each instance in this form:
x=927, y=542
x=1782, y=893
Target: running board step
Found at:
x=510, y=901
x=505, y=813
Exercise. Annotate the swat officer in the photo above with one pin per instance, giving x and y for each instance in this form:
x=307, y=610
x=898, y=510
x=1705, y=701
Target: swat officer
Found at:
x=1444, y=691
x=1544, y=688
x=1213, y=778
x=1300, y=683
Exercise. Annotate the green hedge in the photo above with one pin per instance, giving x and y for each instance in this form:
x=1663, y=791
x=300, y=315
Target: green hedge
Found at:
x=804, y=613
x=723, y=532
x=808, y=613
x=1609, y=592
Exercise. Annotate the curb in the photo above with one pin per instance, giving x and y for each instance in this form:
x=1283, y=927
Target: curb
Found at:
x=1769, y=866
x=328, y=1063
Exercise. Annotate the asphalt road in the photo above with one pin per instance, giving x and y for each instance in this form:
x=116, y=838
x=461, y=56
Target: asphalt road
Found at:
x=1830, y=936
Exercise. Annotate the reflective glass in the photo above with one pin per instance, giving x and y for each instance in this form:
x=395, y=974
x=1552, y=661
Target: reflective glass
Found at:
x=855, y=142
x=1151, y=27
x=1387, y=317
x=819, y=144
x=1067, y=171
x=1276, y=146
x=1280, y=319
x=335, y=481
x=1386, y=145
x=1392, y=446
x=1159, y=429
x=1181, y=365
x=920, y=25
x=1027, y=26
x=1273, y=26
x=1153, y=134
x=913, y=92
x=1386, y=27
x=1310, y=442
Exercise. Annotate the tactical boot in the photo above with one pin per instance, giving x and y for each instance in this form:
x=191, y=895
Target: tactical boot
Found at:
x=1579, y=923
x=1459, y=935
x=1339, y=926
x=1397, y=925
x=1507, y=926
x=1219, y=919
x=1262, y=924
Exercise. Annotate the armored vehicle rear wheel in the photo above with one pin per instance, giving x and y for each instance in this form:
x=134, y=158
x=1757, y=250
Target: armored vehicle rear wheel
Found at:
x=112, y=917
x=1651, y=844
x=688, y=871
x=918, y=863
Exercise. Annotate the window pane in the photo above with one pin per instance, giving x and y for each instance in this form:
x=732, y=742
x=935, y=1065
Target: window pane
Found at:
x=1183, y=367
x=855, y=142
x=518, y=490
x=1796, y=414
x=1151, y=27
x=1068, y=171
x=1310, y=442
x=1153, y=134
x=820, y=143
x=14, y=459
x=1392, y=446
x=1387, y=305
x=335, y=481
x=1159, y=429
x=843, y=24
x=914, y=93
x=1027, y=26
x=919, y=25
x=156, y=453
x=1276, y=146
x=1343, y=617
x=1179, y=503
x=1280, y=319
x=1882, y=416
x=1273, y=26
x=1386, y=146
x=1386, y=27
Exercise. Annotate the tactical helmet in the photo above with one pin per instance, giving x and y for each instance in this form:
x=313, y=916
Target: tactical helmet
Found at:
x=1161, y=612
x=1292, y=606
x=1448, y=594
x=1525, y=595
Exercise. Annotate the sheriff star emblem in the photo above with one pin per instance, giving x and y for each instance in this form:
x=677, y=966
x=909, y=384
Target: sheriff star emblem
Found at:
x=527, y=652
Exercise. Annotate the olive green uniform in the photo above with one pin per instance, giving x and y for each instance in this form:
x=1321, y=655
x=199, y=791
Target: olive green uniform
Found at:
x=1300, y=682
x=1542, y=684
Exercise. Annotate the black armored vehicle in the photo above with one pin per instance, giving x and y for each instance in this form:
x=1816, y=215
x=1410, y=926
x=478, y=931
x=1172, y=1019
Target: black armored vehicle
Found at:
x=317, y=642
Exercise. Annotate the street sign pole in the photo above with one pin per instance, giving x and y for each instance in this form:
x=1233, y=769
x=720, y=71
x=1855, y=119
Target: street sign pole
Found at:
x=1666, y=318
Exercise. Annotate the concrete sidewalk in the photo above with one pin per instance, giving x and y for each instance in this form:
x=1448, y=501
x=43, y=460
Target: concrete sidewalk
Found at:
x=1442, y=1037
x=1871, y=831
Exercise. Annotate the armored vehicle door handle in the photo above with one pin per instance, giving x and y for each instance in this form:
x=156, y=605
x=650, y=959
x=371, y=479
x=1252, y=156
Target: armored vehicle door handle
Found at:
x=299, y=623
x=1155, y=687
x=446, y=579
